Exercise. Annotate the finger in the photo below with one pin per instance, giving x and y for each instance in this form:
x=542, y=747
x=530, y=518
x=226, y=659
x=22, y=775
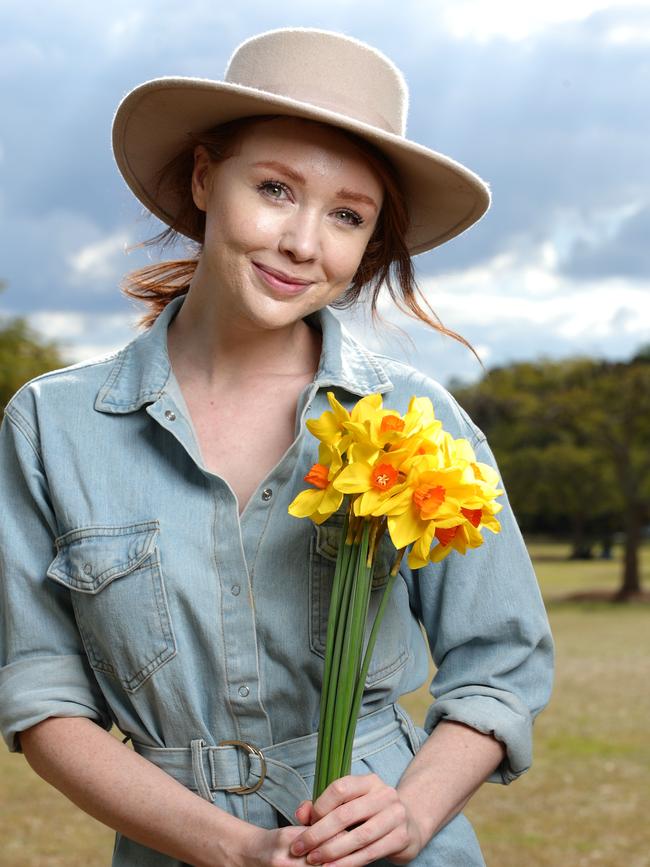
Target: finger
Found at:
x=363, y=836
x=304, y=813
x=344, y=817
x=344, y=789
x=384, y=846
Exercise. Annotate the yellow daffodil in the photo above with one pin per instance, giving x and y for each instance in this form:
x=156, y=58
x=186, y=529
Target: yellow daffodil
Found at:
x=386, y=429
x=320, y=502
x=372, y=479
x=429, y=495
x=476, y=510
x=328, y=428
x=333, y=427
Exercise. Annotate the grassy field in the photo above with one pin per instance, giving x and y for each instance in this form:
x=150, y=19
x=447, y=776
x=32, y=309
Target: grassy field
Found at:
x=583, y=803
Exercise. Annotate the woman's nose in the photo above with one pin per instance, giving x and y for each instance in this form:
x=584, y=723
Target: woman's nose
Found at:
x=300, y=237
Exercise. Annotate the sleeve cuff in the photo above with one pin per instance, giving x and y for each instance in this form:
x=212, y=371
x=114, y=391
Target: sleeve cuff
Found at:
x=34, y=689
x=492, y=712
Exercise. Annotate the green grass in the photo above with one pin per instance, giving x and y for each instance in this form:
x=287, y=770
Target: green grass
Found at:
x=582, y=803
x=584, y=800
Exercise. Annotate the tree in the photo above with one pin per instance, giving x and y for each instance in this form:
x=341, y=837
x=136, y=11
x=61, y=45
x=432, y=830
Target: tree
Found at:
x=615, y=417
x=23, y=355
x=572, y=440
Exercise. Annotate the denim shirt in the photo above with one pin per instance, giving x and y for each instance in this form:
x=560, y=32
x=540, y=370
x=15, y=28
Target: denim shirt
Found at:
x=133, y=593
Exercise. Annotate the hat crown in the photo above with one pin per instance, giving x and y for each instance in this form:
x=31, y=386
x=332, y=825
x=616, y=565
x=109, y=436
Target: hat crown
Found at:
x=328, y=70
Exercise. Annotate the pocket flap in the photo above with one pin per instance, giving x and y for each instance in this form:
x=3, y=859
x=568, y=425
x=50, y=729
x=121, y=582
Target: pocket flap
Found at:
x=328, y=538
x=91, y=557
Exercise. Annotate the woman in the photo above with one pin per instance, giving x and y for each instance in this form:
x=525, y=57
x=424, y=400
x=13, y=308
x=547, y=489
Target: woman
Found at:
x=181, y=602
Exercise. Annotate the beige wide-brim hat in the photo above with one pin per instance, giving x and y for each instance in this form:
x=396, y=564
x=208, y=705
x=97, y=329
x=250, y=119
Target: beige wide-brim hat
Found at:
x=306, y=73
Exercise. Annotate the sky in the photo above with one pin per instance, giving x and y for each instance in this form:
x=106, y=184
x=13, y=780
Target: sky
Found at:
x=548, y=102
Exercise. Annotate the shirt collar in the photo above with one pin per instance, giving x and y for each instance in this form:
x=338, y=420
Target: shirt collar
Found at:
x=142, y=370
x=344, y=361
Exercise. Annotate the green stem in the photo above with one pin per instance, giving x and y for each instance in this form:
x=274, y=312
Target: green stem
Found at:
x=361, y=680
x=334, y=651
x=342, y=559
x=350, y=660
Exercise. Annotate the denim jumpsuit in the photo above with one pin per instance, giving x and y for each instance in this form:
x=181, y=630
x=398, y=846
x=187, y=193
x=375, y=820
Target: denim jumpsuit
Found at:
x=133, y=593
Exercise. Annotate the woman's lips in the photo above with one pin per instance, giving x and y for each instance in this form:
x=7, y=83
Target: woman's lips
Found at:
x=285, y=283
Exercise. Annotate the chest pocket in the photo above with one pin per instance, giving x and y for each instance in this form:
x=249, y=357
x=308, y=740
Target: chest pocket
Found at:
x=119, y=598
x=391, y=649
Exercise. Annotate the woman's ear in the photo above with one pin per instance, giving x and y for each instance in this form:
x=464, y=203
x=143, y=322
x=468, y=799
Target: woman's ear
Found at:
x=201, y=177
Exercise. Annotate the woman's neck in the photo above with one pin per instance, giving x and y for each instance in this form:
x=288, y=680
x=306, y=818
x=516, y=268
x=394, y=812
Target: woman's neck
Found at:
x=220, y=352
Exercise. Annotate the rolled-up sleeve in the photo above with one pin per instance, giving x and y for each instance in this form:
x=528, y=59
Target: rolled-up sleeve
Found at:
x=489, y=638
x=44, y=671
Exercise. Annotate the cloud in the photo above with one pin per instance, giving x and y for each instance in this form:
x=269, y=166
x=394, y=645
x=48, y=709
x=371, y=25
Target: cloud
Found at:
x=63, y=254
x=546, y=301
x=123, y=32
x=98, y=262
x=629, y=34
x=71, y=331
x=625, y=252
x=483, y=21
x=510, y=309
x=554, y=123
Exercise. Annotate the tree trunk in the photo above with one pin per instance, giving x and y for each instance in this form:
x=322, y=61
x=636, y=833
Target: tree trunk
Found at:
x=631, y=578
x=581, y=546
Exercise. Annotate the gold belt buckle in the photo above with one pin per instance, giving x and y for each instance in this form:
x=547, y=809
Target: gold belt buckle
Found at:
x=252, y=751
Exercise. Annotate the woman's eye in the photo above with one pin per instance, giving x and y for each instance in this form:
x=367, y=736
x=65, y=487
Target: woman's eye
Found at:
x=273, y=189
x=348, y=216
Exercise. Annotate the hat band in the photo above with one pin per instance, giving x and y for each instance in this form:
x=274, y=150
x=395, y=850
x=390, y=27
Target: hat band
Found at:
x=342, y=104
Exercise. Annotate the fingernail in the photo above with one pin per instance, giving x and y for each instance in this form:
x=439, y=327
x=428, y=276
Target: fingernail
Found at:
x=298, y=848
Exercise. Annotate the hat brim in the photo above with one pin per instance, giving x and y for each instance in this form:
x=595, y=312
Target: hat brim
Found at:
x=155, y=121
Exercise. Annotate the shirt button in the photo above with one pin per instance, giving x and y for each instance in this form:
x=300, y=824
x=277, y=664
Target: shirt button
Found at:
x=243, y=691
x=267, y=493
x=235, y=589
x=88, y=568
x=170, y=415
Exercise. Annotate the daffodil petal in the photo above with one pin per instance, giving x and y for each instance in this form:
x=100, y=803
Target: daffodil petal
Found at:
x=340, y=412
x=331, y=500
x=395, y=504
x=306, y=503
x=439, y=553
x=405, y=528
x=422, y=546
x=353, y=479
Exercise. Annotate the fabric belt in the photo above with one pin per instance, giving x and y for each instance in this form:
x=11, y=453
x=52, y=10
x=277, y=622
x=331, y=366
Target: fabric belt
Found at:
x=277, y=772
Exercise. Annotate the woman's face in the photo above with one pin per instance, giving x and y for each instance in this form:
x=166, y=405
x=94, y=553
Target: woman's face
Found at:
x=288, y=218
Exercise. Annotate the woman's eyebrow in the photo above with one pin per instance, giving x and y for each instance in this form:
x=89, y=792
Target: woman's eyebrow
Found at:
x=280, y=167
x=350, y=195
x=294, y=175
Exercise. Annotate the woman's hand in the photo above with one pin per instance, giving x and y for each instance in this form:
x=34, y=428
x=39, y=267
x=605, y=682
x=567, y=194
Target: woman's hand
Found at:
x=264, y=848
x=357, y=820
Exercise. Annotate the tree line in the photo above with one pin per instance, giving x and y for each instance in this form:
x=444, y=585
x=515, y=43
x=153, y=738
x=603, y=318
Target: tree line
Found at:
x=23, y=354
x=572, y=439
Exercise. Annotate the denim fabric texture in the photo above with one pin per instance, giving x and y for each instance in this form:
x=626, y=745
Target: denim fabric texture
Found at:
x=133, y=593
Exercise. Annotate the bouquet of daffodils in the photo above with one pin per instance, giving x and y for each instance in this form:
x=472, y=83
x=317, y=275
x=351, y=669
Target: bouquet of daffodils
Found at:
x=403, y=475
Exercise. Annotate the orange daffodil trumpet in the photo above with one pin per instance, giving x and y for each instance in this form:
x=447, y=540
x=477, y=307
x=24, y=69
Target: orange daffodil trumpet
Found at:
x=402, y=474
